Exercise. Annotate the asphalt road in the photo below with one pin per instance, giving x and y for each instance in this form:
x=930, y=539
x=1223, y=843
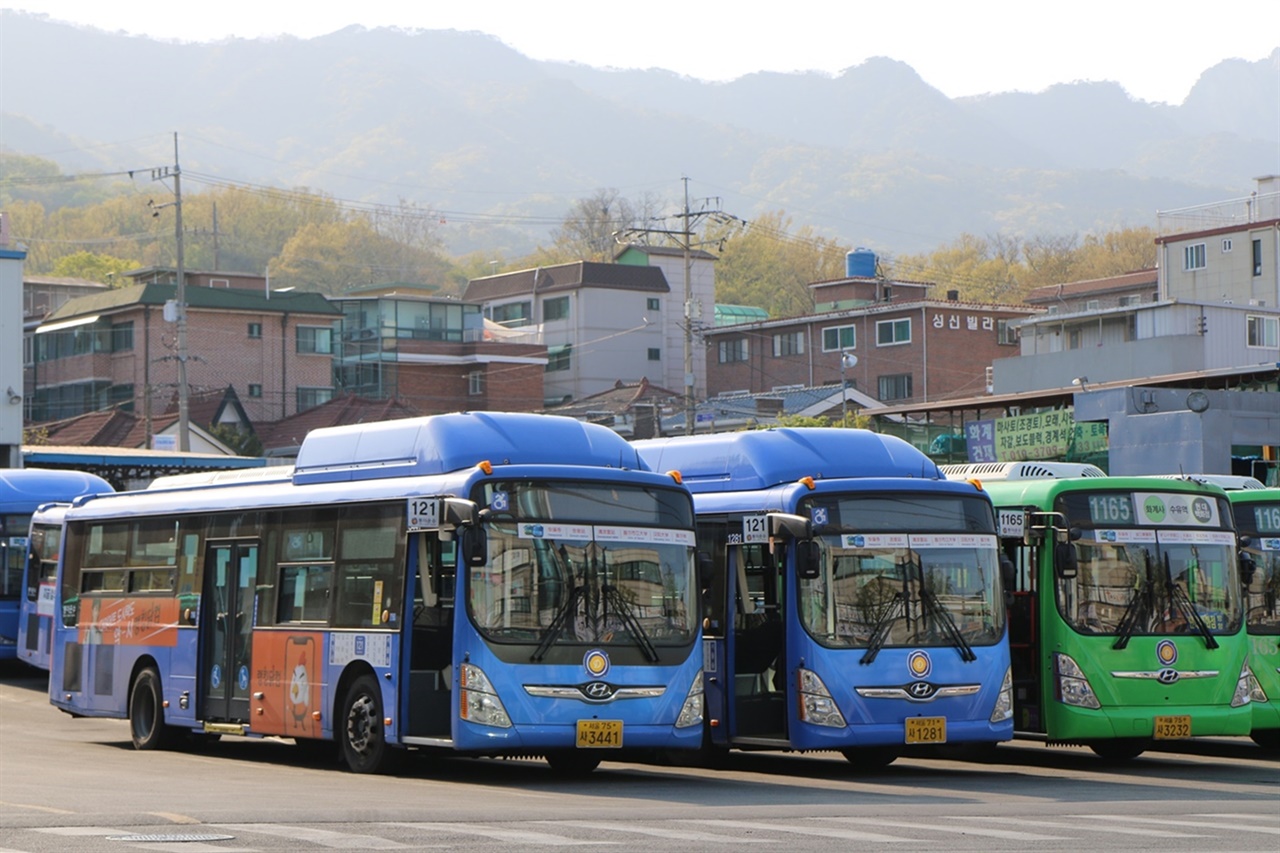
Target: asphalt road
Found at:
x=78, y=785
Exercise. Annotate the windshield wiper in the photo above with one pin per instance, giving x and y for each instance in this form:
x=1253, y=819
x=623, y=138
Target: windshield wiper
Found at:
x=1136, y=608
x=881, y=632
x=1178, y=598
x=629, y=620
x=949, y=627
x=556, y=628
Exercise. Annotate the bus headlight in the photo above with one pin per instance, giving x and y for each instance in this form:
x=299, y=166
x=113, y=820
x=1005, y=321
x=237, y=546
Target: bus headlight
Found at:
x=1256, y=693
x=691, y=712
x=816, y=705
x=1244, y=690
x=1073, y=687
x=478, y=702
x=1004, y=702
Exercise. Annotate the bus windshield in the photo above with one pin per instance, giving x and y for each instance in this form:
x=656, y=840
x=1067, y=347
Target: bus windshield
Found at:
x=903, y=570
x=586, y=563
x=1132, y=581
x=1260, y=522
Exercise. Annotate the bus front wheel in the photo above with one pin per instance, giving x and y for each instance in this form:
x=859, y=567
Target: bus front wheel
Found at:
x=572, y=762
x=871, y=757
x=364, y=739
x=146, y=712
x=1119, y=749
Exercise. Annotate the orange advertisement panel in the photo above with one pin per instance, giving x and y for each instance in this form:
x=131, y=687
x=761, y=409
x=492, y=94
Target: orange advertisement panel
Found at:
x=128, y=621
x=287, y=675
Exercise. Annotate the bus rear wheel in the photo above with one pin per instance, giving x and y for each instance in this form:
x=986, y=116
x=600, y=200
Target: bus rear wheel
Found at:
x=1266, y=738
x=146, y=712
x=364, y=739
x=1119, y=749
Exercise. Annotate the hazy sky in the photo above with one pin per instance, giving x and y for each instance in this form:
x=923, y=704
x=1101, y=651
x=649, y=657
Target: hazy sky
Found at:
x=1156, y=50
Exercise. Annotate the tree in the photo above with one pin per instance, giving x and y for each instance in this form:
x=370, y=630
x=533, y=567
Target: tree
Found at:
x=334, y=258
x=94, y=267
x=587, y=231
x=763, y=264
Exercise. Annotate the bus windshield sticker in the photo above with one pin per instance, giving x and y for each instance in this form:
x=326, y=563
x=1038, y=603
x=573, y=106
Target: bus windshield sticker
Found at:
x=543, y=530
x=873, y=540
x=1173, y=509
x=1197, y=537
x=423, y=513
x=647, y=535
x=1012, y=523
x=952, y=540
x=755, y=529
x=1122, y=535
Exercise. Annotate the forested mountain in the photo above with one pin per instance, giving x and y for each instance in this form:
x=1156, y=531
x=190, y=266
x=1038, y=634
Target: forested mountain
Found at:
x=502, y=145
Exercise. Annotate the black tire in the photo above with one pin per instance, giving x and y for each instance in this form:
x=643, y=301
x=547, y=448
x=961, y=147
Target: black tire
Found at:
x=572, y=762
x=361, y=733
x=1266, y=738
x=871, y=757
x=146, y=713
x=319, y=751
x=1119, y=749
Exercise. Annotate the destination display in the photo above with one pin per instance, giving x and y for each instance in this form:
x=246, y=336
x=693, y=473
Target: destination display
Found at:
x=1153, y=509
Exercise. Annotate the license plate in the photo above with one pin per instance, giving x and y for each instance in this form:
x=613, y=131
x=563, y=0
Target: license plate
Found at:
x=926, y=729
x=1173, y=727
x=599, y=734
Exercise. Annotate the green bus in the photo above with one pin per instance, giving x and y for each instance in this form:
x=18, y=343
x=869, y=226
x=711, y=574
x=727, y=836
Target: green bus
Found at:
x=1126, y=620
x=1257, y=515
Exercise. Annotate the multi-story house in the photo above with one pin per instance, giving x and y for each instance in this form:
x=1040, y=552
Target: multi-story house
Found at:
x=888, y=339
x=600, y=323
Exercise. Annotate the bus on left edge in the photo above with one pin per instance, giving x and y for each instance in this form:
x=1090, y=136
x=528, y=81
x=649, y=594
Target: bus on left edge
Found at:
x=24, y=612
x=483, y=583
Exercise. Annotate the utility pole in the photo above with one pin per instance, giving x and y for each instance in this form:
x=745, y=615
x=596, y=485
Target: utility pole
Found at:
x=180, y=299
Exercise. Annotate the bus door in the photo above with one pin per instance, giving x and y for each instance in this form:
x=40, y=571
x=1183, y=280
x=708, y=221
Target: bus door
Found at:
x=431, y=644
x=757, y=642
x=229, y=613
x=1024, y=619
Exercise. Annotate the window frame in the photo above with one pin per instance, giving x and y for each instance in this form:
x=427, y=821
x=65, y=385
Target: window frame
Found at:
x=839, y=330
x=309, y=343
x=788, y=344
x=893, y=327
x=1194, y=257
x=1260, y=327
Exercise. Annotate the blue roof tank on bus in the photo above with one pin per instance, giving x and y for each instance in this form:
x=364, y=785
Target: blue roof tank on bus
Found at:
x=23, y=489
x=758, y=459
x=438, y=444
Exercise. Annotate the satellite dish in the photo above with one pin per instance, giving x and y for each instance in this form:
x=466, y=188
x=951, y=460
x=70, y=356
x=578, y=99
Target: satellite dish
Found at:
x=1197, y=401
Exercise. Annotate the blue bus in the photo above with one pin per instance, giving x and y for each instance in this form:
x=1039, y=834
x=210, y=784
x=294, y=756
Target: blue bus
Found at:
x=488, y=584
x=23, y=612
x=854, y=598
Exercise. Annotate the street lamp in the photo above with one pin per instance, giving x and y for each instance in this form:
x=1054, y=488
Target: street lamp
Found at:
x=847, y=361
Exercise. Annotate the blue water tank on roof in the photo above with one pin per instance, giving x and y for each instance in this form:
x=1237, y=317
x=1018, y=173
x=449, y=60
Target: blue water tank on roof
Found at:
x=860, y=263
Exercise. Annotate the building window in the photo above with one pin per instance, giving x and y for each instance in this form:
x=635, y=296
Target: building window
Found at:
x=1073, y=339
x=839, y=338
x=315, y=339
x=1006, y=333
x=475, y=383
x=255, y=330
x=1093, y=305
x=558, y=358
x=122, y=336
x=309, y=398
x=788, y=343
x=1193, y=257
x=1257, y=257
x=731, y=351
x=655, y=354
x=555, y=309
x=255, y=390
x=893, y=332
x=895, y=387
x=1134, y=299
x=512, y=315
x=652, y=304
x=1263, y=331
x=1226, y=245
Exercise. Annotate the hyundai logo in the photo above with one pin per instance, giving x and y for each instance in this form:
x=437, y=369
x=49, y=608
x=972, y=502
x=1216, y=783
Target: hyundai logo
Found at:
x=921, y=689
x=597, y=690
x=1167, y=676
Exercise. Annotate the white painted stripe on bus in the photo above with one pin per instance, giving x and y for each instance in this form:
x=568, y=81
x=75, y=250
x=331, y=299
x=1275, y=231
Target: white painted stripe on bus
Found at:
x=817, y=831
x=518, y=836
x=323, y=837
x=1119, y=830
x=1207, y=824
x=1012, y=835
x=677, y=834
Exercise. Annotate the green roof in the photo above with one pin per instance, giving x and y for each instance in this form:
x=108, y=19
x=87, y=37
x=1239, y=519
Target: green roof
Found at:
x=729, y=315
x=217, y=299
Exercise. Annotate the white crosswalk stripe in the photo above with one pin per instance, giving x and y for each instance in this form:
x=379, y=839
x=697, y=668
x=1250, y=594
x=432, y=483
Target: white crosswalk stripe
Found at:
x=1076, y=827
x=791, y=827
x=659, y=832
x=502, y=833
x=322, y=837
x=1012, y=835
x=1205, y=824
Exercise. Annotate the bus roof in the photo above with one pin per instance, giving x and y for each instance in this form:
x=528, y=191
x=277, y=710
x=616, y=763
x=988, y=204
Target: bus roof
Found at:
x=1042, y=491
x=24, y=489
x=439, y=444
x=1229, y=482
x=759, y=459
x=1026, y=470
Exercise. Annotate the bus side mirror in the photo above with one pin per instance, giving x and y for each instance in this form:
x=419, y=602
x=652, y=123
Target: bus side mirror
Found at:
x=705, y=568
x=1247, y=569
x=1064, y=560
x=475, y=546
x=808, y=559
x=1008, y=579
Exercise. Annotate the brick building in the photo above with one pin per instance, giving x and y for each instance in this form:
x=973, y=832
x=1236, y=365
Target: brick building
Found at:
x=888, y=339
